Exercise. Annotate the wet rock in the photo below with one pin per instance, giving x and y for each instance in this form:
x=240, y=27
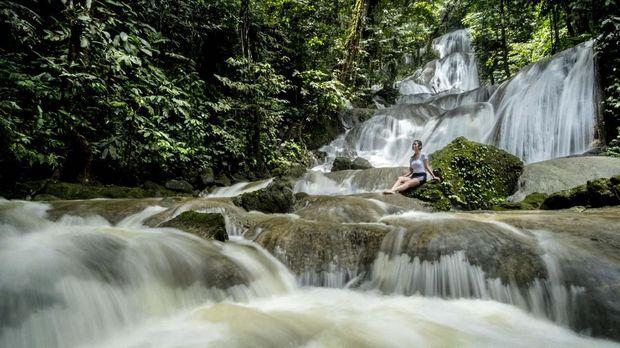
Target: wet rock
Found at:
x=563, y=173
x=498, y=251
x=586, y=244
x=343, y=163
x=317, y=248
x=354, y=116
x=531, y=202
x=63, y=190
x=180, y=186
x=595, y=193
x=113, y=210
x=360, y=163
x=277, y=197
x=347, y=209
x=207, y=177
x=222, y=180
x=204, y=225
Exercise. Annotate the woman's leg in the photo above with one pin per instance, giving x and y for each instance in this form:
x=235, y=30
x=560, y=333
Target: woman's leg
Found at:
x=406, y=185
x=401, y=180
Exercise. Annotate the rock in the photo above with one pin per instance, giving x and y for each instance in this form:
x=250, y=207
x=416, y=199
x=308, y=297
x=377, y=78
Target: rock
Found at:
x=354, y=116
x=314, y=249
x=206, y=176
x=563, y=173
x=63, y=190
x=531, y=202
x=277, y=197
x=474, y=176
x=222, y=180
x=341, y=163
x=204, y=225
x=293, y=171
x=497, y=250
x=595, y=193
x=361, y=163
x=180, y=186
x=344, y=163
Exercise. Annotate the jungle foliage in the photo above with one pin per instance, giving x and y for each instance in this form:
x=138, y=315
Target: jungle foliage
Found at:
x=128, y=91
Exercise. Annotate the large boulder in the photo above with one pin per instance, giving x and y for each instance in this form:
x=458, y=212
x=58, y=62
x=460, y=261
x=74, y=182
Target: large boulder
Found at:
x=204, y=225
x=563, y=173
x=474, y=176
x=277, y=197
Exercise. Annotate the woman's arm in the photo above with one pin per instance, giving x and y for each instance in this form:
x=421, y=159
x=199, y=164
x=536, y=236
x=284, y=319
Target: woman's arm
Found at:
x=429, y=169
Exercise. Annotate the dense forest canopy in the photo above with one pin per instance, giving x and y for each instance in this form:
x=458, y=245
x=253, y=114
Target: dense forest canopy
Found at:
x=128, y=91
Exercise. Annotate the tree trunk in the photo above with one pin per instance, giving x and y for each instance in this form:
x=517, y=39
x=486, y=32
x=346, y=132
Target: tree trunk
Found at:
x=353, y=39
x=505, y=64
x=244, y=30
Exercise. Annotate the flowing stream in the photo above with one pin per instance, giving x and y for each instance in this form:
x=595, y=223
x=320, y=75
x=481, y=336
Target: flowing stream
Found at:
x=80, y=281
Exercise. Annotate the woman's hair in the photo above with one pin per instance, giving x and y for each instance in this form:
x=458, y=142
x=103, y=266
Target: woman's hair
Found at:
x=419, y=142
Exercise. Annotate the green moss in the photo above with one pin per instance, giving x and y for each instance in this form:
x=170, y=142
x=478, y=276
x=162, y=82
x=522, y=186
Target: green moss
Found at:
x=531, y=202
x=204, y=225
x=474, y=176
x=595, y=193
x=64, y=190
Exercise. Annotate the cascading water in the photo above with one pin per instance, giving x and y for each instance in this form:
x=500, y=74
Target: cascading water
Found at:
x=56, y=276
x=546, y=111
x=83, y=282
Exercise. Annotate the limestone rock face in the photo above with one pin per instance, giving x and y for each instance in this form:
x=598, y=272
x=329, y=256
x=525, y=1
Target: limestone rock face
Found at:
x=564, y=173
x=204, y=225
x=277, y=197
x=474, y=176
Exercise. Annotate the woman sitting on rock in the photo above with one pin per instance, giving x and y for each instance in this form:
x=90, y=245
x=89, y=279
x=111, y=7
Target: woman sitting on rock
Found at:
x=418, y=166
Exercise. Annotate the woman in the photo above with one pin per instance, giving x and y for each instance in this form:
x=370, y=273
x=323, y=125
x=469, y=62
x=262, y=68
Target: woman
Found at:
x=418, y=166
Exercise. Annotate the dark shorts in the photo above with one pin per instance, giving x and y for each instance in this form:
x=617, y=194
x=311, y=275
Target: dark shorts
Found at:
x=421, y=176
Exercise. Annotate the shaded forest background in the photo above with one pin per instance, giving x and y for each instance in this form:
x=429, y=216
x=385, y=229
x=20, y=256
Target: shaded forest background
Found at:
x=128, y=91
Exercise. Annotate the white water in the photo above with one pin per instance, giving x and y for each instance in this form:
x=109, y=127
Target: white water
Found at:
x=83, y=282
x=546, y=111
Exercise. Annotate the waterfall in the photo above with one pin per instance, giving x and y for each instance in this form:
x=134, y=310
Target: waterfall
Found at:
x=547, y=110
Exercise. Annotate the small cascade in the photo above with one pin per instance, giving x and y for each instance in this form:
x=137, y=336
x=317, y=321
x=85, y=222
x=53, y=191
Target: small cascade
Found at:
x=455, y=70
x=53, y=275
x=426, y=261
x=238, y=189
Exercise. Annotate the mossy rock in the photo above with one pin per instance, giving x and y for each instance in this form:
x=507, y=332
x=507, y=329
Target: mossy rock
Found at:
x=204, y=225
x=277, y=197
x=474, y=176
x=595, y=193
x=532, y=201
x=68, y=191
